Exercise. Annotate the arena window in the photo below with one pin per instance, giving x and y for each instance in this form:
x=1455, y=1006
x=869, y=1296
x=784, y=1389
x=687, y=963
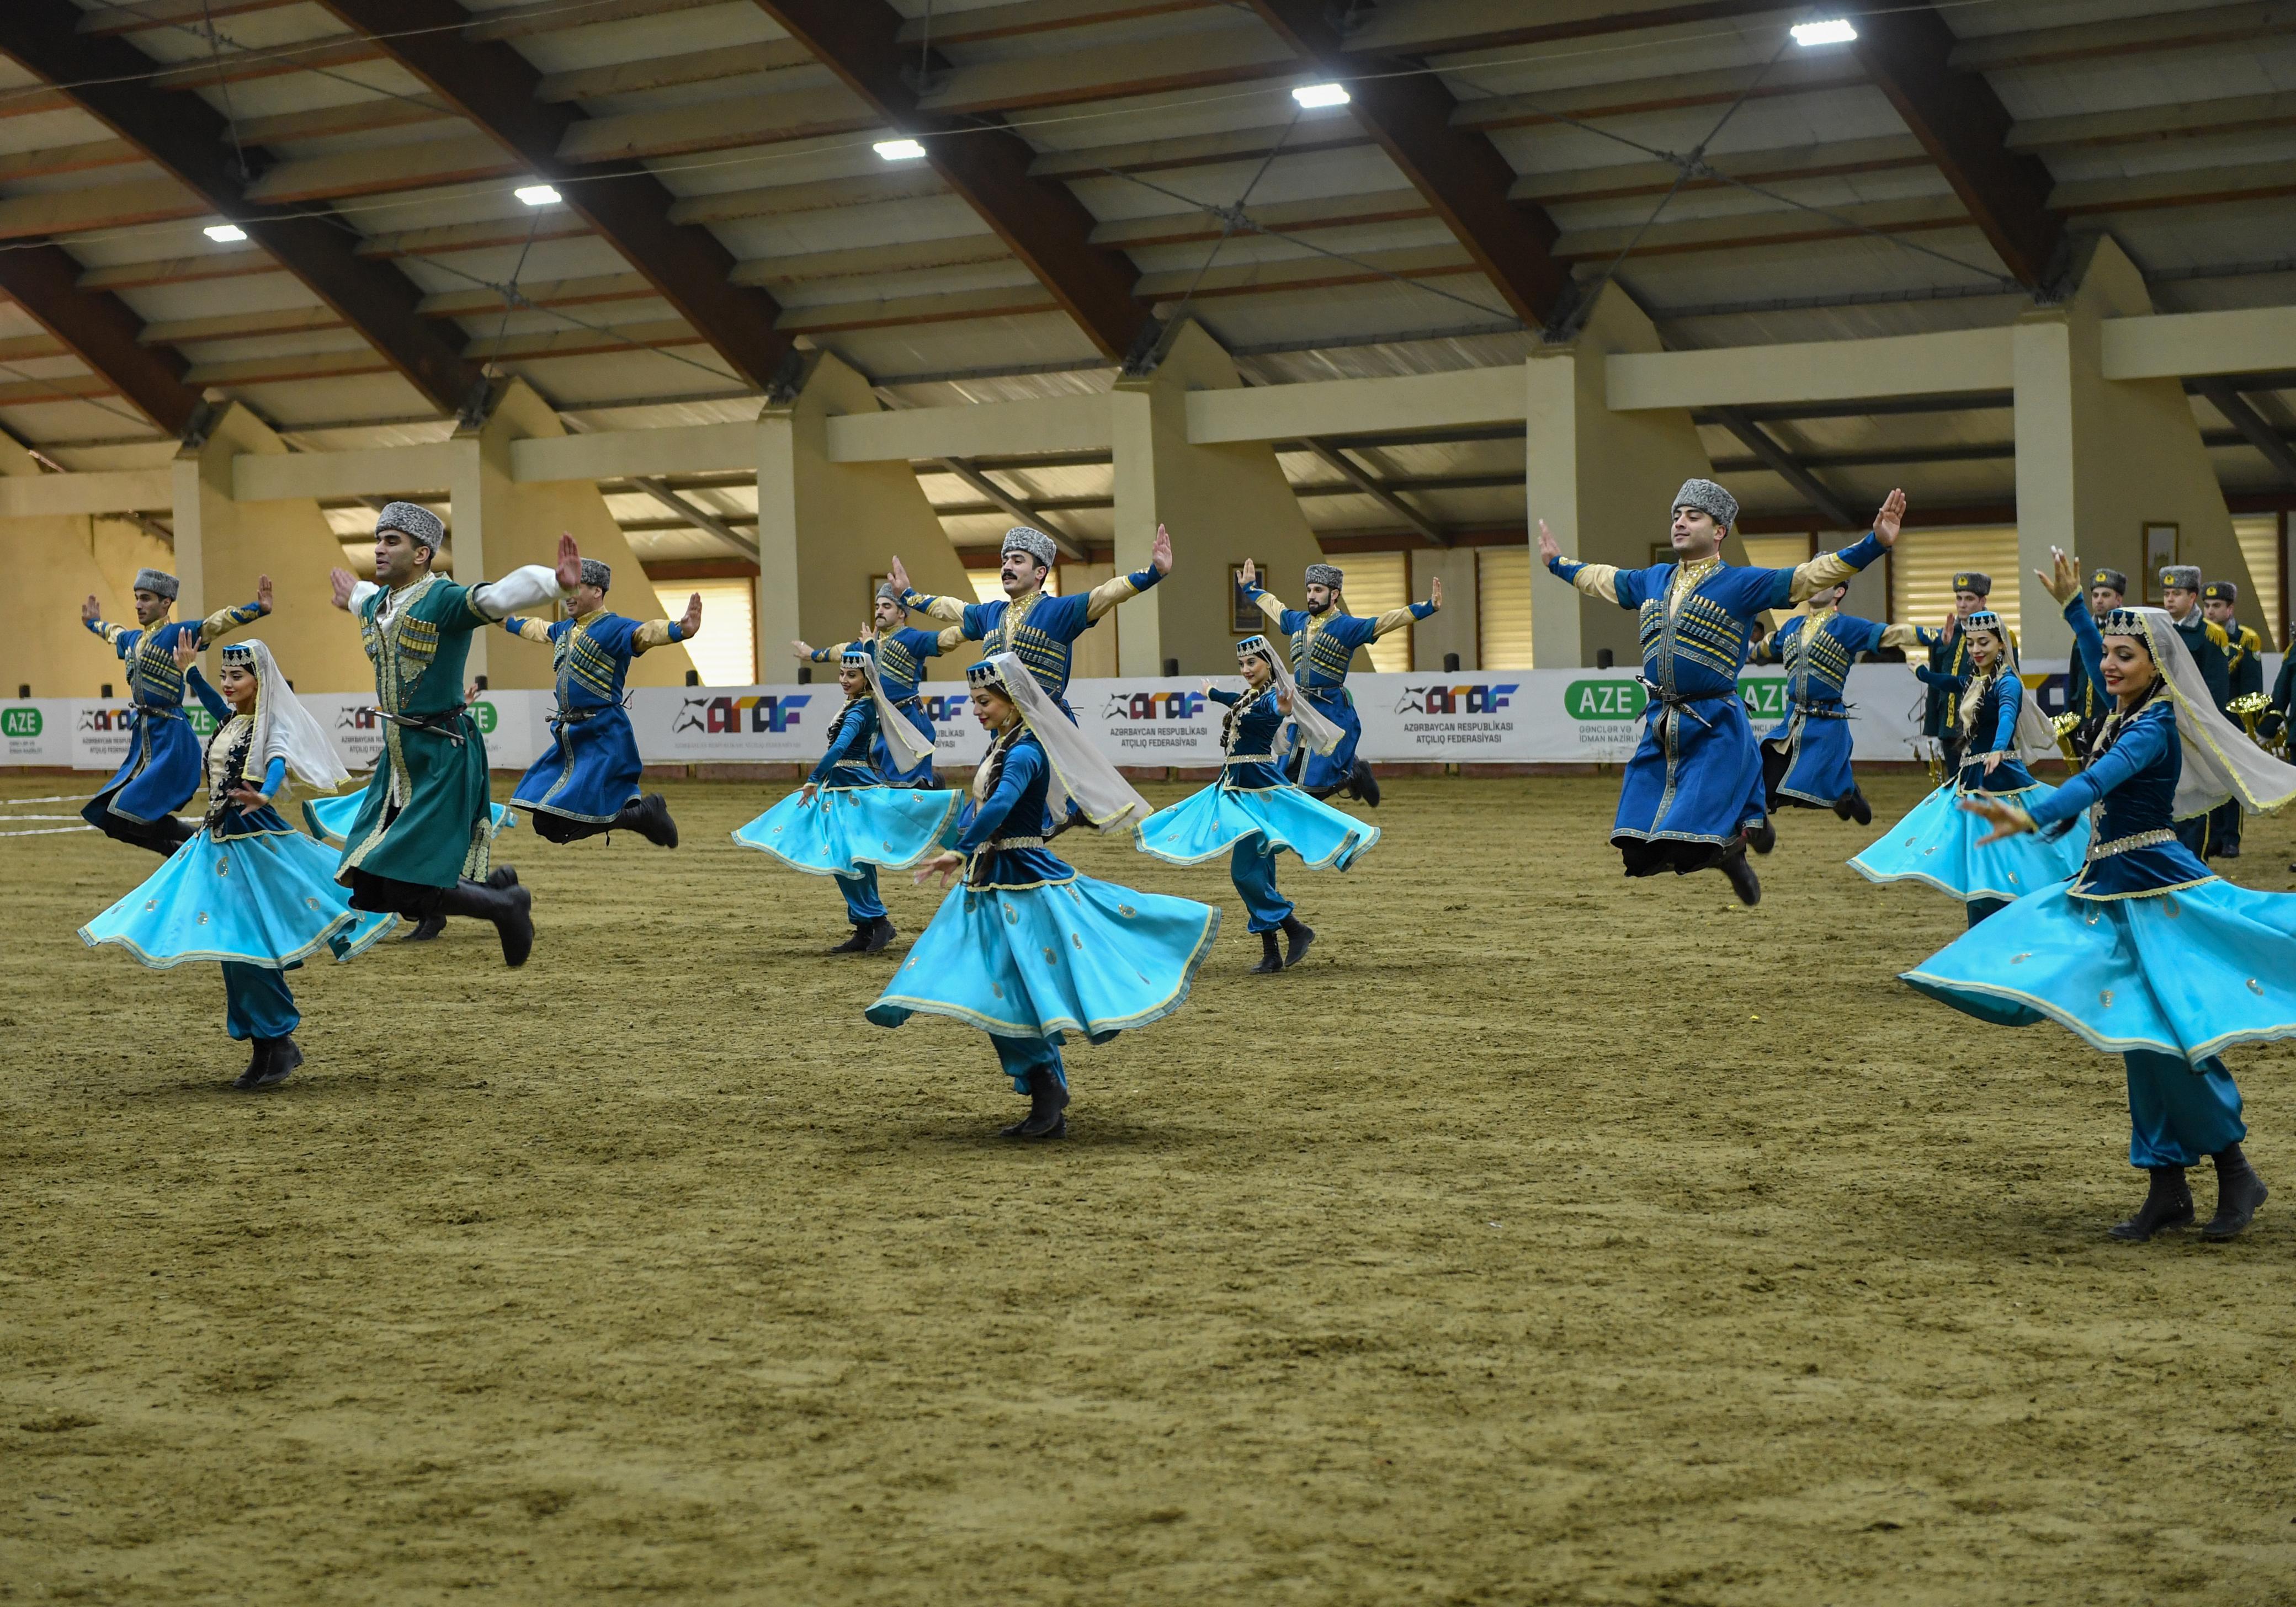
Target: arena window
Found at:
x=1502, y=608
x=726, y=652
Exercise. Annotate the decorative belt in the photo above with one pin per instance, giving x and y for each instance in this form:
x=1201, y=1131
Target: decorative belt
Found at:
x=1834, y=710
x=1249, y=758
x=437, y=725
x=911, y=701
x=2127, y=845
x=1007, y=843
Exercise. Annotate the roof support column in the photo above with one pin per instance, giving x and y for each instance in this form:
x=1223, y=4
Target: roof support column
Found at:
x=55, y=562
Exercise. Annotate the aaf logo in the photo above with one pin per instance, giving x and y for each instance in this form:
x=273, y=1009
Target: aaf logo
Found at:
x=1154, y=706
x=1476, y=699
x=724, y=716
x=357, y=719
x=107, y=719
x=942, y=710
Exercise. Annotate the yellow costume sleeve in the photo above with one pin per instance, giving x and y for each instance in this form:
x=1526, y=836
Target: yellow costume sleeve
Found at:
x=652, y=634
x=1107, y=594
x=1598, y=580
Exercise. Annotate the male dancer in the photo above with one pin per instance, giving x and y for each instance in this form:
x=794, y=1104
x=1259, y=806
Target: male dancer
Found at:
x=1693, y=794
x=2107, y=589
x=425, y=826
x=1325, y=637
x=1972, y=590
x=2244, y=677
x=900, y=650
x=1040, y=631
x=1806, y=759
x=587, y=780
x=2211, y=651
x=161, y=770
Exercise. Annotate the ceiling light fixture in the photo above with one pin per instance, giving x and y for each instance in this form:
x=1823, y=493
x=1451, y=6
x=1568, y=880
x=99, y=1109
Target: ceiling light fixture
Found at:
x=1314, y=97
x=537, y=196
x=899, y=151
x=225, y=233
x=1836, y=31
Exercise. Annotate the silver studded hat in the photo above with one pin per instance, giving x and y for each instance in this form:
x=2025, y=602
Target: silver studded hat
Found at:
x=597, y=574
x=1022, y=538
x=157, y=580
x=1708, y=498
x=418, y=521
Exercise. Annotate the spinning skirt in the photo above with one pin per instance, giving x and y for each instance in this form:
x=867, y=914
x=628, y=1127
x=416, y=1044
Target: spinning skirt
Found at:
x=841, y=831
x=1937, y=842
x=330, y=818
x=1081, y=956
x=1816, y=752
x=266, y=898
x=159, y=775
x=2188, y=973
x=1696, y=776
x=1207, y=824
x=589, y=771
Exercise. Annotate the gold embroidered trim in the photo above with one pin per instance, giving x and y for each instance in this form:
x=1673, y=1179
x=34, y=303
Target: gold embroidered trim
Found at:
x=2126, y=845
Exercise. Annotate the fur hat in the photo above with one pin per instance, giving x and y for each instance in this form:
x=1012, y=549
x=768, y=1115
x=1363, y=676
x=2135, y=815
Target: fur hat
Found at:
x=1325, y=574
x=2219, y=591
x=2112, y=579
x=596, y=573
x=2181, y=577
x=886, y=591
x=157, y=580
x=420, y=523
x=1036, y=544
x=1708, y=498
x=1973, y=580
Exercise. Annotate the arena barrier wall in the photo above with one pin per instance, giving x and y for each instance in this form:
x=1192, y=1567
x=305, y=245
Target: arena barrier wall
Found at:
x=1478, y=717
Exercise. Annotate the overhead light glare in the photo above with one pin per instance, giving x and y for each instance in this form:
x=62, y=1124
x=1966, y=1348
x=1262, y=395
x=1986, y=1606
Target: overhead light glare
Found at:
x=1314, y=97
x=537, y=196
x=224, y=233
x=1834, y=30
x=899, y=151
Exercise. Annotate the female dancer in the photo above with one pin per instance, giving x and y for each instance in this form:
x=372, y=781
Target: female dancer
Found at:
x=1252, y=814
x=249, y=890
x=1939, y=843
x=2148, y=954
x=846, y=821
x=1026, y=949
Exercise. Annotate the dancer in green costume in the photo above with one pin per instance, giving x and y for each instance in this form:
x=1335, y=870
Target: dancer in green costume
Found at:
x=420, y=845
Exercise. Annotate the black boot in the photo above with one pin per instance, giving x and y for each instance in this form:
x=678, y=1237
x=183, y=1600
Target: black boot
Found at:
x=2239, y=1191
x=2168, y=1203
x=1297, y=937
x=503, y=876
x=1740, y=870
x=649, y=818
x=510, y=908
x=1048, y=1104
x=1852, y=805
x=1271, y=959
x=252, y=1076
x=284, y=1057
x=1363, y=784
x=881, y=932
x=858, y=943
x=426, y=929
x=1762, y=838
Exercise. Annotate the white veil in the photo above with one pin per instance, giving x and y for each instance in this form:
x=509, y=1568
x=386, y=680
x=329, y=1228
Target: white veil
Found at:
x=1079, y=770
x=900, y=736
x=1315, y=727
x=285, y=729
x=2220, y=763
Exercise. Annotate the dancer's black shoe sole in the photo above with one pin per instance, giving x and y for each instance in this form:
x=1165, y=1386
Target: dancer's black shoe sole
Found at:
x=428, y=928
x=503, y=876
x=653, y=821
x=1028, y=1130
x=1363, y=784
x=2237, y=1200
x=1744, y=883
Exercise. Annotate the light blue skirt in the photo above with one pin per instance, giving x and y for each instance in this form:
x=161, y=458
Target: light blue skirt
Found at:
x=1206, y=824
x=840, y=832
x=1937, y=842
x=330, y=818
x=266, y=898
x=2189, y=972
x=1081, y=957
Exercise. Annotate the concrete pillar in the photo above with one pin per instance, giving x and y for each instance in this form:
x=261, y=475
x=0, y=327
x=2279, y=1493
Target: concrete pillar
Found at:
x=2099, y=459
x=1453, y=630
x=54, y=562
x=499, y=524
x=223, y=545
x=1604, y=481
x=825, y=530
x=1223, y=504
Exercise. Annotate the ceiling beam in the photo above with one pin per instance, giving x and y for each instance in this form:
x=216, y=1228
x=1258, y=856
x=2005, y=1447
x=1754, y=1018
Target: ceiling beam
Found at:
x=708, y=524
x=1371, y=485
x=186, y=136
x=1787, y=467
x=2252, y=425
x=1048, y=227
x=1461, y=173
x=1963, y=125
x=965, y=470
x=101, y=330
x=492, y=84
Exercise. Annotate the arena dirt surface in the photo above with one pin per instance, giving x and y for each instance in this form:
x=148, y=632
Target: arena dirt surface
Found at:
x=1545, y=1238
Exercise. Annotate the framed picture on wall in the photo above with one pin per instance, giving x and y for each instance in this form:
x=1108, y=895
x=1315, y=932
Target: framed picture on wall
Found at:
x=869, y=606
x=2159, y=552
x=1662, y=552
x=1246, y=618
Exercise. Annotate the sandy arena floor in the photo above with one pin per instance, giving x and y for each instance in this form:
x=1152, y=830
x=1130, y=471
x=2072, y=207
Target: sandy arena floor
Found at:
x=1545, y=1238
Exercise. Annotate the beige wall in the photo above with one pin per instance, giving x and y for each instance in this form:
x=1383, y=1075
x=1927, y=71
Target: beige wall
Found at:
x=1453, y=629
x=1222, y=503
x=54, y=563
x=1604, y=481
x=825, y=528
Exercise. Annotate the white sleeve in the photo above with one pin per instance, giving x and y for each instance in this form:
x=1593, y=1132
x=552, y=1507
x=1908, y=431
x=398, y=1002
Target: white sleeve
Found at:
x=361, y=590
x=523, y=588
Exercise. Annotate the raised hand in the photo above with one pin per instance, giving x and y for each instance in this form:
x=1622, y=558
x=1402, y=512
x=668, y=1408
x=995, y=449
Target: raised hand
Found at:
x=187, y=649
x=344, y=580
x=1435, y=594
x=2061, y=579
x=91, y=610
x=1549, y=549
x=1952, y=625
x=263, y=593
x=1891, y=518
x=899, y=576
x=690, y=627
x=569, y=561
x=800, y=651
x=1160, y=556
x=1248, y=577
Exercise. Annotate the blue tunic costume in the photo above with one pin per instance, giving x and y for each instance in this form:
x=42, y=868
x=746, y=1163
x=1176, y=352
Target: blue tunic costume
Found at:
x=900, y=654
x=1806, y=761
x=2147, y=954
x=1038, y=629
x=1938, y=840
x=329, y=819
x=1695, y=785
x=590, y=772
x=161, y=770
x=1323, y=650
x=1252, y=814
x=248, y=890
x=855, y=822
x=1028, y=950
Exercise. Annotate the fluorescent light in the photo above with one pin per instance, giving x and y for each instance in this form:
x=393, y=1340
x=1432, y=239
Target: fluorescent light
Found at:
x=224, y=233
x=536, y=195
x=899, y=151
x=1315, y=96
x=1836, y=31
